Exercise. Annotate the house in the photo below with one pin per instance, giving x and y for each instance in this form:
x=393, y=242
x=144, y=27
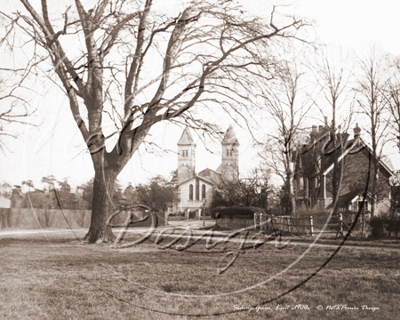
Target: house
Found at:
x=195, y=190
x=5, y=203
x=314, y=166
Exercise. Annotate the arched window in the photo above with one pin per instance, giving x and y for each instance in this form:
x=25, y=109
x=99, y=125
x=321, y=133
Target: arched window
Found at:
x=197, y=189
x=203, y=191
x=191, y=192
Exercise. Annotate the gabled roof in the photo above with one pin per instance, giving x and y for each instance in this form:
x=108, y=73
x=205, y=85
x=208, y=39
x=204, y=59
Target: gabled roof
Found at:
x=230, y=137
x=198, y=177
x=354, y=145
x=186, y=138
x=209, y=170
x=348, y=198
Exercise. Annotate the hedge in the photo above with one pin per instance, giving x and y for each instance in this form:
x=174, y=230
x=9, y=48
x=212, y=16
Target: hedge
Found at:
x=227, y=212
x=384, y=225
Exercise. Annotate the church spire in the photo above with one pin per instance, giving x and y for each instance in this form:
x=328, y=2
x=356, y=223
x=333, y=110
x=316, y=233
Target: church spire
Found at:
x=230, y=156
x=186, y=138
x=230, y=137
x=186, y=156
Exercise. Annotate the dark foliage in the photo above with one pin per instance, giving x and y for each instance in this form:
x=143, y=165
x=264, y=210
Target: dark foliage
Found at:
x=229, y=212
x=385, y=226
x=377, y=227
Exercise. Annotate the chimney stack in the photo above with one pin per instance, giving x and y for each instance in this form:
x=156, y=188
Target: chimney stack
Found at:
x=357, y=131
x=314, y=133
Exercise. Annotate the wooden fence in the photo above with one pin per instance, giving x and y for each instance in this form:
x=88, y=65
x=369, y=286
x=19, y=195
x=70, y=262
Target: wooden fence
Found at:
x=303, y=225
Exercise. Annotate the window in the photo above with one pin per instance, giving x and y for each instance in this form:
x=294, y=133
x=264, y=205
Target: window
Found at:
x=191, y=192
x=203, y=191
x=185, y=153
x=197, y=189
x=301, y=183
x=306, y=187
x=229, y=152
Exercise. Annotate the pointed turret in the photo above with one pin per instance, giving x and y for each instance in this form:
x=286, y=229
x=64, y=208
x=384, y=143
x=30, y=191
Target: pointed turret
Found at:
x=230, y=156
x=230, y=137
x=186, y=138
x=186, y=156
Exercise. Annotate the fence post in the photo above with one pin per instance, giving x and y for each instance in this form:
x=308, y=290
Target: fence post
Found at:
x=341, y=224
x=311, y=226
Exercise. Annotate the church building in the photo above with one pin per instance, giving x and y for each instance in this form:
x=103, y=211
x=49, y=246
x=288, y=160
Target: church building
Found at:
x=195, y=191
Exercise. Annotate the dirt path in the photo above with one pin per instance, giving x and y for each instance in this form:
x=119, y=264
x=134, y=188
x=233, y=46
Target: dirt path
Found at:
x=196, y=225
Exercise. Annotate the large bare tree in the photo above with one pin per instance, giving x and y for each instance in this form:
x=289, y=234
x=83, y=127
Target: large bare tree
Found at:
x=287, y=103
x=140, y=66
x=333, y=77
x=14, y=108
x=372, y=85
x=391, y=94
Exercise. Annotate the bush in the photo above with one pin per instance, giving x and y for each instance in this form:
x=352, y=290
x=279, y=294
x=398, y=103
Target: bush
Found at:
x=227, y=212
x=383, y=225
x=392, y=225
x=377, y=225
x=192, y=214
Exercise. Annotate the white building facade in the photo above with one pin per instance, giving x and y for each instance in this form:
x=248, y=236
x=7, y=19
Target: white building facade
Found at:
x=195, y=191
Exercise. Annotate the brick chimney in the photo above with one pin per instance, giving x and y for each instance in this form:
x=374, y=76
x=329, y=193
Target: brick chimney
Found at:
x=314, y=133
x=357, y=131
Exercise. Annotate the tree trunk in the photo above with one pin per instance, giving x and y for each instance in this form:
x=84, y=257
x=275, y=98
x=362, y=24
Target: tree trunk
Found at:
x=103, y=190
x=373, y=185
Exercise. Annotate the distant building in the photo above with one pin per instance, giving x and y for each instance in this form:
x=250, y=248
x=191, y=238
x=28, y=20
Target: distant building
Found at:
x=196, y=190
x=5, y=203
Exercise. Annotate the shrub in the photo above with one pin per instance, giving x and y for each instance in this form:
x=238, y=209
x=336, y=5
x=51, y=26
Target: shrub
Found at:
x=192, y=214
x=392, y=225
x=377, y=225
x=226, y=212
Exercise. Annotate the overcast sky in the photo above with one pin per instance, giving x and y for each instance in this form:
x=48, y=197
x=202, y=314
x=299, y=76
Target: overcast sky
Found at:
x=54, y=148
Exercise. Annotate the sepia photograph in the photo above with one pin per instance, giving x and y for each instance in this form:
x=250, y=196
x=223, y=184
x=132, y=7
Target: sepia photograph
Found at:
x=187, y=159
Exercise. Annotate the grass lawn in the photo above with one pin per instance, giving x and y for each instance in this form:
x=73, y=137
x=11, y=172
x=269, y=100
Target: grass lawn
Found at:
x=60, y=278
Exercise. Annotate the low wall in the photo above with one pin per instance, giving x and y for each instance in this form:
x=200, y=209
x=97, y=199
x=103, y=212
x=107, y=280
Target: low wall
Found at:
x=21, y=218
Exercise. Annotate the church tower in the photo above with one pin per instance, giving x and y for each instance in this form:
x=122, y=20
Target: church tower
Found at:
x=230, y=156
x=186, y=156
